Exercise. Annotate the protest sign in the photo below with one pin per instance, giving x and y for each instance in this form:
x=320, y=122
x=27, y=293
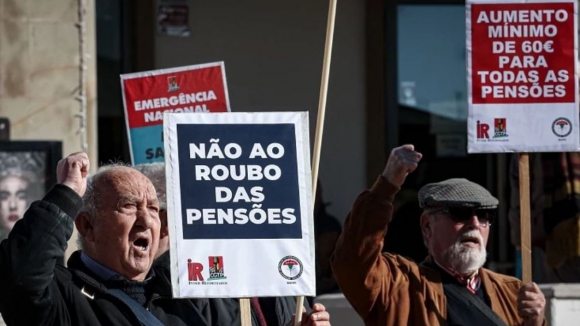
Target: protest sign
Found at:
x=522, y=76
x=240, y=204
x=147, y=95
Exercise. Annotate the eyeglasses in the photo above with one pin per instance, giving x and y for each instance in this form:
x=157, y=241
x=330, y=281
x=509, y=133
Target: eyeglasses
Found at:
x=463, y=215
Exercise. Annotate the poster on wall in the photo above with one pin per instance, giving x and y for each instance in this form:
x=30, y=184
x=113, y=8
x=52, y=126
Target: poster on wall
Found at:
x=522, y=76
x=173, y=18
x=27, y=171
x=239, y=199
x=147, y=95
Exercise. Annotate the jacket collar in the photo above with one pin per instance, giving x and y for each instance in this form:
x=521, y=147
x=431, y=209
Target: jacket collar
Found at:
x=433, y=276
x=489, y=290
x=83, y=274
x=159, y=284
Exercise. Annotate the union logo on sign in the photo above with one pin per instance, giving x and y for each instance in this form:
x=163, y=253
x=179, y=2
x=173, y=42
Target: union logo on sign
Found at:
x=562, y=127
x=216, y=268
x=500, y=128
x=194, y=271
x=172, y=84
x=290, y=268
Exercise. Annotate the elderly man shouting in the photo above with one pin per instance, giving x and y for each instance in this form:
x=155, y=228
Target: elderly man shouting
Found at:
x=450, y=287
x=111, y=281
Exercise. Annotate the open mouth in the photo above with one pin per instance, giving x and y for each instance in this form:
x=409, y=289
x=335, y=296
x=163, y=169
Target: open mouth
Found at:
x=141, y=244
x=470, y=240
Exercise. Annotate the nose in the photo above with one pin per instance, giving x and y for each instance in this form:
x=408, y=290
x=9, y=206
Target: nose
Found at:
x=145, y=218
x=473, y=222
x=12, y=203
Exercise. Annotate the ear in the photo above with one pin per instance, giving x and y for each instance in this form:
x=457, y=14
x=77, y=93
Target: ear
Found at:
x=164, y=228
x=84, y=226
x=426, y=225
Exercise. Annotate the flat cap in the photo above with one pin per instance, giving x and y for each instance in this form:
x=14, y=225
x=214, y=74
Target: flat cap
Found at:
x=456, y=193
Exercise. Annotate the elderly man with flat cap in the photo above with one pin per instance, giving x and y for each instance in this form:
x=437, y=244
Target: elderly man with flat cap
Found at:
x=450, y=287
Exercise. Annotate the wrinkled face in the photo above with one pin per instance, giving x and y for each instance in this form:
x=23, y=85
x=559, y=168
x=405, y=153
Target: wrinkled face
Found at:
x=13, y=201
x=126, y=229
x=457, y=237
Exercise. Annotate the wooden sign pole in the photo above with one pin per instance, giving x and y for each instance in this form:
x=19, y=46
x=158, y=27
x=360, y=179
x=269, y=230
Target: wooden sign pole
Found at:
x=245, y=312
x=525, y=225
x=320, y=123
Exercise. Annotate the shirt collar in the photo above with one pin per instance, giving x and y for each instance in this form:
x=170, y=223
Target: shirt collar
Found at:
x=104, y=272
x=471, y=282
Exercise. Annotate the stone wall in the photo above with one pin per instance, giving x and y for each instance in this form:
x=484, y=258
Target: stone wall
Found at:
x=39, y=72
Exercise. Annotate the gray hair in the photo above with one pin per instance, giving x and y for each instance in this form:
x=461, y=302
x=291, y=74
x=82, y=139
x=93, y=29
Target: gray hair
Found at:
x=431, y=221
x=156, y=174
x=91, y=204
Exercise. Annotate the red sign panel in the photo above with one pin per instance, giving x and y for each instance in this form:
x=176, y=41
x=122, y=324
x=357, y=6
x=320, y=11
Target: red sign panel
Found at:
x=190, y=89
x=522, y=53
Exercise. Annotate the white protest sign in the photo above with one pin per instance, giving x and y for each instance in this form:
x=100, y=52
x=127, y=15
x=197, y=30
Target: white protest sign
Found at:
x=239, y=199
x=522, y=76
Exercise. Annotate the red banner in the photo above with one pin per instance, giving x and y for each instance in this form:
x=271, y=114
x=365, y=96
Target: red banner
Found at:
x=523, y=53
x=189, y=89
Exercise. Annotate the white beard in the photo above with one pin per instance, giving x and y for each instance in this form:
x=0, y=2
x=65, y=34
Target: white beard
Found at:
x=463, y=259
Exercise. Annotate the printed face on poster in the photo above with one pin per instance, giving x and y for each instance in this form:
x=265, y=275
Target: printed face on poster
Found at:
x=27, y=171
x=240, y=204
x=522, y=76
x=147, y=95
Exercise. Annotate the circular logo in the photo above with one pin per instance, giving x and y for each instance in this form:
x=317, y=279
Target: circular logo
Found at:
x=290, y=268
x=562, y=127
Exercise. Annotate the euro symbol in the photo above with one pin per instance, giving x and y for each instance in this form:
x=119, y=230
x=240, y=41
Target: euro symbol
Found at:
x=548, y=46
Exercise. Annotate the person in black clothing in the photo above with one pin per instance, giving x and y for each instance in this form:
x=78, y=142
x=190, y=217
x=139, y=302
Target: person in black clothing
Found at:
x=111, y=281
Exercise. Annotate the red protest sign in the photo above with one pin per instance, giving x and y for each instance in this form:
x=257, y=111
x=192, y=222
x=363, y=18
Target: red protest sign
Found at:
x=147, y=95
x=522, y=53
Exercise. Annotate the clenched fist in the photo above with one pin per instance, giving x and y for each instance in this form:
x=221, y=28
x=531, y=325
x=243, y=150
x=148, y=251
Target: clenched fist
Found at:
x=72, y=172
x=531, y=304
x=318, y=317
x=403, y=160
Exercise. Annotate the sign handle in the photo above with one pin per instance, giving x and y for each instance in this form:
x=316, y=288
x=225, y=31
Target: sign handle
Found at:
x=320, y=123
x=245, y=312
x=525, y=227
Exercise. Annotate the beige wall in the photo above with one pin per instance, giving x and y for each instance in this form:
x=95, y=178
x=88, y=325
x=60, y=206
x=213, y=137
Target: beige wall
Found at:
x=39, y=71
x=273, y=52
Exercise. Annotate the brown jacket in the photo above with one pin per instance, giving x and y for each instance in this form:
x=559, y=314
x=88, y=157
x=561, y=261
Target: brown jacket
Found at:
x=388, y=289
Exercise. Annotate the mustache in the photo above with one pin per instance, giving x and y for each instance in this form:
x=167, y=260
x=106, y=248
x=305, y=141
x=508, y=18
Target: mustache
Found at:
x=472, y=234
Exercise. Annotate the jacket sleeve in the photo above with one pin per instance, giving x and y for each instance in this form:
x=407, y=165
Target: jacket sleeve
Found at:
x=29, y=255
x=365, y=276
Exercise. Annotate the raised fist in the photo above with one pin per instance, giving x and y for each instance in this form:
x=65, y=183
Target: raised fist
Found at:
x=72, y=171
x=402, y=161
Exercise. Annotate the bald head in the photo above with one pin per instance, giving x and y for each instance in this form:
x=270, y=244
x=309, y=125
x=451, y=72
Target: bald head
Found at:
x=101, y=181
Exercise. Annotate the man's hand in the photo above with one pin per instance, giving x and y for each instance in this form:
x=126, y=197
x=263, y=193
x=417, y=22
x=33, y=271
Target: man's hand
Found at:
x=403, y=160
x=531, y=304
x=318, y=317
x=72, y=172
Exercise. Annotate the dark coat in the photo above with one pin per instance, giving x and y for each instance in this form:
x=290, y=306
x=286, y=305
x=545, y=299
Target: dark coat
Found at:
x=35, y=290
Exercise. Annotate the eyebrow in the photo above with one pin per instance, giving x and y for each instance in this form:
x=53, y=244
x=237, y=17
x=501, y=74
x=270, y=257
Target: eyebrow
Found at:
x=133, y=198
x=124, y=198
